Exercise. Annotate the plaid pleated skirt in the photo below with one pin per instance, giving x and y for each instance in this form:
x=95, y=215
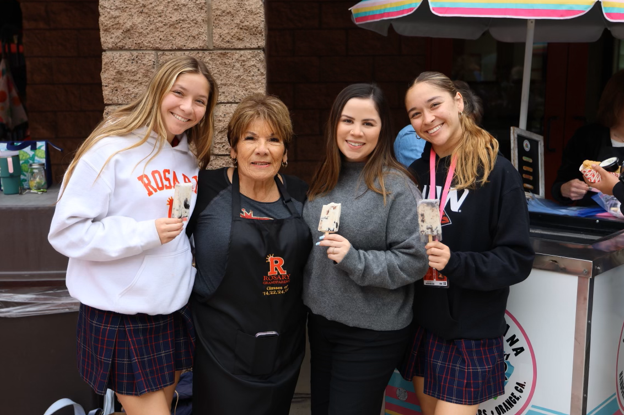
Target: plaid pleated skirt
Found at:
x=133, y=354
x=466, y=372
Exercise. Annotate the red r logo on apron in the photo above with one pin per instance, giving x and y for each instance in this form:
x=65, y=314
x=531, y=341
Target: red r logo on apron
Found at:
x=275, y=265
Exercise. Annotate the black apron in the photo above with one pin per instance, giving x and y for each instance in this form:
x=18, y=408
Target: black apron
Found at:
x=251, y=332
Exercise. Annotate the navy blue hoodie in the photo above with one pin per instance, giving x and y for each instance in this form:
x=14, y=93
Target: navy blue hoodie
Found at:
x=487, y=232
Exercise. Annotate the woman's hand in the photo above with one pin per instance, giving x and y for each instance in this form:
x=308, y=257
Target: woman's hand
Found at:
x=607, y=180
x=439, y=254
x=168, y=229
x=338, y=246
x=574, y=189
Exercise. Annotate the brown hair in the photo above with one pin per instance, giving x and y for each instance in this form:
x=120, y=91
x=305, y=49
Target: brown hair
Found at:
x=612, y=101
x=477, y=150
x=473, y=106
x=145, y=112
x=260, y=107
x=382, y=157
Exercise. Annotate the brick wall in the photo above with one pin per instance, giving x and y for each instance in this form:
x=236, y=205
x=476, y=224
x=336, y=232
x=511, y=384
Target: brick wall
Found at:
x=314, y=50
x=228, y=35
x=63, y=63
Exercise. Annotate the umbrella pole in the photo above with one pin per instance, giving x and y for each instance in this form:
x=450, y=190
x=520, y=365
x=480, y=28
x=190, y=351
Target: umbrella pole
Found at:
x=526, y=74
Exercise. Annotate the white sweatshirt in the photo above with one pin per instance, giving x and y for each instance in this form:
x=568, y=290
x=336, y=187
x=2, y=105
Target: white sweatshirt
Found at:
x=106, y=226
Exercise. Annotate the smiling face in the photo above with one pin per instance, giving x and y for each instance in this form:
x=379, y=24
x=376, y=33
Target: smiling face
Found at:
x=259, y=152
x=434, y=114
x=185, y=104
x=358, y=129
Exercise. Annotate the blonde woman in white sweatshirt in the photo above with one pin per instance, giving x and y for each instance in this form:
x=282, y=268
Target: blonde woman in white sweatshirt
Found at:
x=129, y=263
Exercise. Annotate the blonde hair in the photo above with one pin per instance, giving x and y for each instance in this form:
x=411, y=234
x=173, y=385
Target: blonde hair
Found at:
x=145, y=112
x=477, y=149
x=267, y=108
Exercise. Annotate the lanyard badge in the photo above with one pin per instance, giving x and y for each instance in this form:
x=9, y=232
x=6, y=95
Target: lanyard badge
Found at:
x=434, y=278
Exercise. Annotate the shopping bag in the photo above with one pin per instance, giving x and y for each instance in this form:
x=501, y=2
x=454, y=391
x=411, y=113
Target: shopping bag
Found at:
x=400, y=397
x=62, y=403
x=109, y=399
x=31, y=152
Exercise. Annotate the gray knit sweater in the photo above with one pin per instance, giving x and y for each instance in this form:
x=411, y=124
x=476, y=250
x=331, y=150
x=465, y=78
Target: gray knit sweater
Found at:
x=372, y=287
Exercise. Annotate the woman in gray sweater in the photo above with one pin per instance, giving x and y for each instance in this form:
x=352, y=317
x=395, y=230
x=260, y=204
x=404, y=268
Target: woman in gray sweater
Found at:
x=358, y=283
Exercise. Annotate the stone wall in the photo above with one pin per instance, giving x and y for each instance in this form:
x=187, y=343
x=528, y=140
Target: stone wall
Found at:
x=228, y=35
x=63, y=63
x=314, y=50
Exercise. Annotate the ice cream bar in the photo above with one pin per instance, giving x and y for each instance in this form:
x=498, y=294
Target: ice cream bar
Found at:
x=429, y=219
x=182, y=200
x=330, y=218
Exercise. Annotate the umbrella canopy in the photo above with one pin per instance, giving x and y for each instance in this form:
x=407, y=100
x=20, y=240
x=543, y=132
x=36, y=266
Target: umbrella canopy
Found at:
x=567, y=21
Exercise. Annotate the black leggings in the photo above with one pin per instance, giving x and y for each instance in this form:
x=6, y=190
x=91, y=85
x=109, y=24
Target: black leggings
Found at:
x=351, y=367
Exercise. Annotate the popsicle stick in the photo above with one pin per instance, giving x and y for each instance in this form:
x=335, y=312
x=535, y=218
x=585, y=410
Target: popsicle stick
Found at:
x=430, y=238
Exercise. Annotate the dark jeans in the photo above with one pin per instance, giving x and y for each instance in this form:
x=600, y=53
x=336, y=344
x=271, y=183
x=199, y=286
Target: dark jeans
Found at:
x=351, y=367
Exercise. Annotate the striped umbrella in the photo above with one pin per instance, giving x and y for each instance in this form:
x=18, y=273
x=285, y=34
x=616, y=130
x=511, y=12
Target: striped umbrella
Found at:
x=558, y=21
x=368, y=11
x=614, y=10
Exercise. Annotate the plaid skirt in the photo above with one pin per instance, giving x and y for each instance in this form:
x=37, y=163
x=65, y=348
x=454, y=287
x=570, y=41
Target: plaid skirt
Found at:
x=133, y=354
x=466, y=372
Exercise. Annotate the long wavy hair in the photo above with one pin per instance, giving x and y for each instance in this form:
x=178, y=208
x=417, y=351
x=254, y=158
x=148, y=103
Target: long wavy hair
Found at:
x=145, y=112
x=379, y=162
x=477, y=149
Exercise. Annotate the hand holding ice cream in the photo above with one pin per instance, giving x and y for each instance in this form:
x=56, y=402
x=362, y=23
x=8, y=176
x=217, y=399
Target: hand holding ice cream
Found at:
x=168, y=229
x=608, y=180
x=610, y=167
x=439, y=255
x=338, y=246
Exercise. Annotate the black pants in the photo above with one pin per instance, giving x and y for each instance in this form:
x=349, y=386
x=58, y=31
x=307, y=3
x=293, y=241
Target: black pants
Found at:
x=351, y=367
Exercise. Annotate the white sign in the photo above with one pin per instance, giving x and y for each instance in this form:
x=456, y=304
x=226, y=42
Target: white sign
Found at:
x=520, y=373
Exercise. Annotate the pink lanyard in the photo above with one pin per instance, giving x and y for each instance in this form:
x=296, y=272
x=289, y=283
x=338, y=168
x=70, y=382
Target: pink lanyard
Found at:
x=432, y=180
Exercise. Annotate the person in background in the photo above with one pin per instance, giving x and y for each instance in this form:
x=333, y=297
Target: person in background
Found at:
x=408, y=146
x=456, y=359
x=598, y=141
x=129, y=265
x=251, y=247
x=359, y=281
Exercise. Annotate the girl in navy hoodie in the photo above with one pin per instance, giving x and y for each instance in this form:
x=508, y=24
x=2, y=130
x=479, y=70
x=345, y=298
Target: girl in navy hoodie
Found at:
x=456, y=360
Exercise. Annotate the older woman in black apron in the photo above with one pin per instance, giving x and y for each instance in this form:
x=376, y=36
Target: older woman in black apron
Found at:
x=251, y=247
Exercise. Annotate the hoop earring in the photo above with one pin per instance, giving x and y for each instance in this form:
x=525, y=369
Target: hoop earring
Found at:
x=284, y=164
